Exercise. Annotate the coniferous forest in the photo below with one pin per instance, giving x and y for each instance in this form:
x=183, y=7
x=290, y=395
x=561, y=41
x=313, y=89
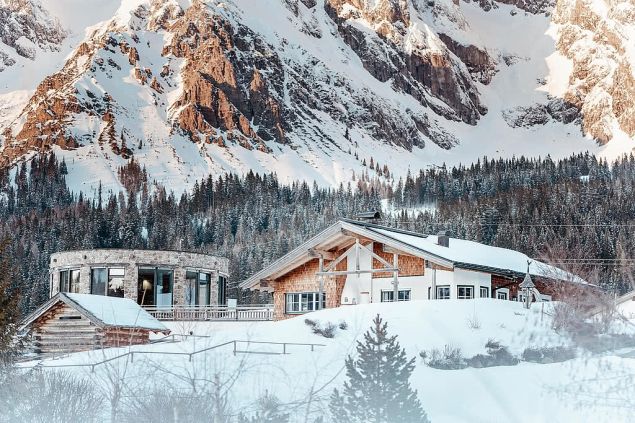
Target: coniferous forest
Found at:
x=580, y=204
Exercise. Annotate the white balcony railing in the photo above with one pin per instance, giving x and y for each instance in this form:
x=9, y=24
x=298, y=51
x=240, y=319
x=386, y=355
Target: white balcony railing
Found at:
x=212, y=313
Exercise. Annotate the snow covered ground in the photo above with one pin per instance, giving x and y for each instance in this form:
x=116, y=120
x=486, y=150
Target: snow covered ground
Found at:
x=588, y=388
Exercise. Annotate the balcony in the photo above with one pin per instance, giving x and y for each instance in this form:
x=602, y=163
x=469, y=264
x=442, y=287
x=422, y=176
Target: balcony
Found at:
x=213, y=313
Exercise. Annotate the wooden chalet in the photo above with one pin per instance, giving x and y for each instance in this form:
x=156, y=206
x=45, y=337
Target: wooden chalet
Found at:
x=355, y=262
x=79, y=322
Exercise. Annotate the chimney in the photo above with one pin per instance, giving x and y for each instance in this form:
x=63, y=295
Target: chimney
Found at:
x=443, y=238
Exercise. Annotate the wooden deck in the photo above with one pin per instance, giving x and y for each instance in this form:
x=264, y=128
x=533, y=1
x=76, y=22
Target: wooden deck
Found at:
x=246, y=313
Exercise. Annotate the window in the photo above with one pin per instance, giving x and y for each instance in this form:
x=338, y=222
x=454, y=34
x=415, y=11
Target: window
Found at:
x=443, y=292
x=484, y=292
x=155, y=287
x=107, y=281
x=197, y=288
x=98, y=280
x=69, y=281
x=222, y=290
x=501, y=295
x=464, y=292
x=115, y=282
x=164, y=287
x=389, y=295
x=303, y=302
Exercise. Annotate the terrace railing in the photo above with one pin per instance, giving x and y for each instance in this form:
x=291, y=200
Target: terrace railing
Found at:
x=212, y=313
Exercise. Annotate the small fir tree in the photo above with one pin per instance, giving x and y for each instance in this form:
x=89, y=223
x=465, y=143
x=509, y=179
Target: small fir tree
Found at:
x=378, y=388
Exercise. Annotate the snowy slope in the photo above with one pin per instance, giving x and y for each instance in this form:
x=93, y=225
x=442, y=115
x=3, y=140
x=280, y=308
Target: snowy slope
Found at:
x=568, y=391
x=279, y=86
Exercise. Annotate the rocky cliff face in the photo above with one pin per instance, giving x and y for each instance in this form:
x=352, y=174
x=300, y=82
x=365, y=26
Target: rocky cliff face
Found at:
x=316, y=81
x=598, y=39
x=26, y=27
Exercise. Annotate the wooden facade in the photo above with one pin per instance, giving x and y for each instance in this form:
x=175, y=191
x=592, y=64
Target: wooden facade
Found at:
x=63, y=329
x=61, y=326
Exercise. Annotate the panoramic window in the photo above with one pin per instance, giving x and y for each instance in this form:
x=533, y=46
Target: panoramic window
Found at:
x=222, y=290
x=464, y=292
x=389, y=295
x=303, y=302
x=115, y=282
x=484, y=292
x=69, y=281
x=98, y=280
x=443, y=292
x=197, y=288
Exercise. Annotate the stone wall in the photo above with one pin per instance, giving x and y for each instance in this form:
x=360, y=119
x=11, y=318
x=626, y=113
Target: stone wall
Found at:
x=131, y=261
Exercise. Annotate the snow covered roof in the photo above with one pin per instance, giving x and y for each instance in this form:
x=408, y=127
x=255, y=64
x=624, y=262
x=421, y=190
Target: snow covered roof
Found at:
x=469, y=254
x=103, y=311
x=459, y=253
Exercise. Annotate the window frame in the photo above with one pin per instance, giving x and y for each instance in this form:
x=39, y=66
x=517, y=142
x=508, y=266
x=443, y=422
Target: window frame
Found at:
x=107, y=269
x=464, y=297
x=300, y=301
x=500, y=293
x=443, y=287
x=69, y=272
x=391, y=292
x=481, y=288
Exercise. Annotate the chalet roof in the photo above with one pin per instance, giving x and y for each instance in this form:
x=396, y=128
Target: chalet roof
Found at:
x=102, y=311
x=459, y=253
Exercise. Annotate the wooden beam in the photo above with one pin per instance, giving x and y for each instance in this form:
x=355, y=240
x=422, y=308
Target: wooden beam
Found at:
x=326, y=255
x=356, y=272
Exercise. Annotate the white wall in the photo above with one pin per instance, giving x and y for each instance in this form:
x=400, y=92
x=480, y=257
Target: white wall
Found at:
x=360, y=289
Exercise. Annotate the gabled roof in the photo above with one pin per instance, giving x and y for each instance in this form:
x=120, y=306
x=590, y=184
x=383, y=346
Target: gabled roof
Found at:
x=459, y=254
x=102, y=311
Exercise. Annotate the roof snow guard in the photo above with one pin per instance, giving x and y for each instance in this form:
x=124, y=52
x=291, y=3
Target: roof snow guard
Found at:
x=102, y=311
x=447, y=252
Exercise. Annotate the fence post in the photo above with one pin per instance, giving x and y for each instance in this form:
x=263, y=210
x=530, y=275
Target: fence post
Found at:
x=234, y=348
x=131, y=357
x=284, y=348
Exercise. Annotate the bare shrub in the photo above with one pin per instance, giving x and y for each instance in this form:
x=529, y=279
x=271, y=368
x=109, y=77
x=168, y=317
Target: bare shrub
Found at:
x=327, y=331
x=473, y=322
x=169, y=405
x=449, y=358
x=343, y=325
x=49, y=397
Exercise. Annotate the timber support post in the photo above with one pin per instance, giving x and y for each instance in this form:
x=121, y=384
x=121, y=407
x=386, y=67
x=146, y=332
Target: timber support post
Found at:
x=395, y=276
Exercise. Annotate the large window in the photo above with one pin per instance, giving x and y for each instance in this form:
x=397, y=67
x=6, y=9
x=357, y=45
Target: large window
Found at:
x=107, y=281
x=69, y=281
x=115, y=282
x=155, y=287
x=464, y=292
x=443, y=292
x=389, y=295
x=222, y=290
x=197, y=289
x=484, y=292
x=98, y=281
x=303, y=302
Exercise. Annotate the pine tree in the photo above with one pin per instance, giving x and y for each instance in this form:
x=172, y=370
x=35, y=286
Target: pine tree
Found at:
x=9, y=310
x=378, y=388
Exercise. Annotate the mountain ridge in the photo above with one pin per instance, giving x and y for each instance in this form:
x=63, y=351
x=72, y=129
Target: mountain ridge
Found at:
x=315, y=89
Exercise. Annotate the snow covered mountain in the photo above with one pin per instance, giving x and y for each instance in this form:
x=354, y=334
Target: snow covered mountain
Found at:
x=313, y=89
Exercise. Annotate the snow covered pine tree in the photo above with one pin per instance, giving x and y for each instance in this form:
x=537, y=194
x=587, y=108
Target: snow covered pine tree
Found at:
x=378, y=388
x=9, y=311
